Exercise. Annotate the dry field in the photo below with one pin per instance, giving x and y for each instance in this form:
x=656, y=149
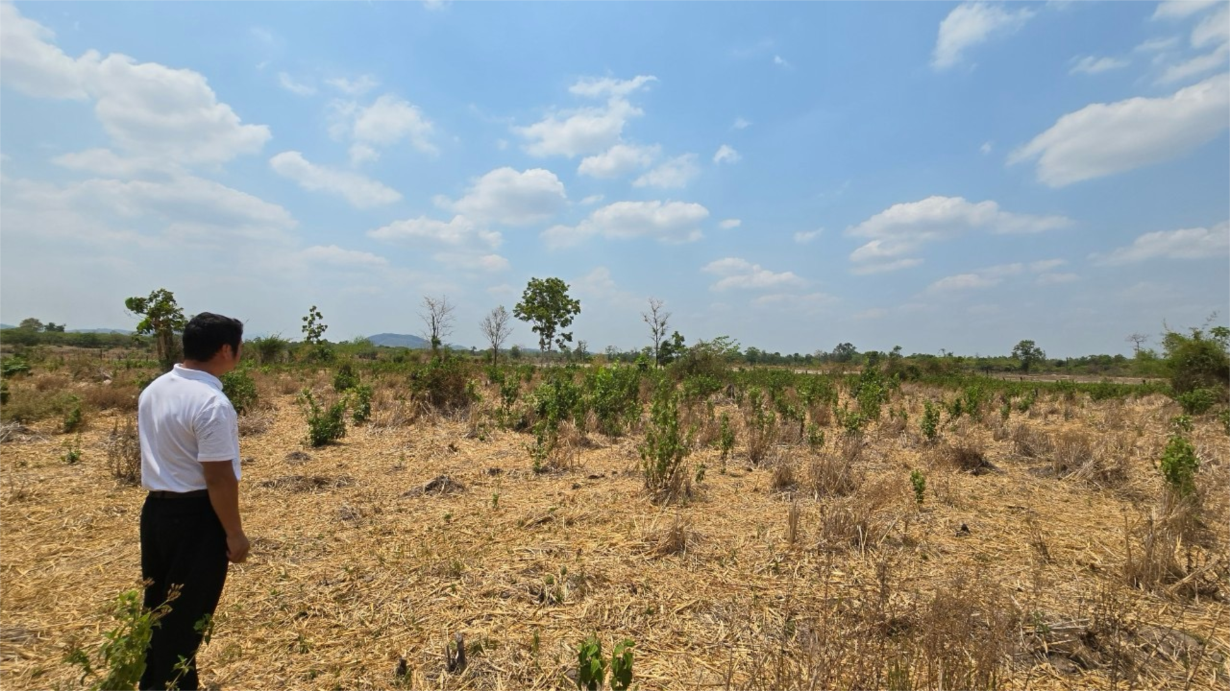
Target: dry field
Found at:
x=813, y=569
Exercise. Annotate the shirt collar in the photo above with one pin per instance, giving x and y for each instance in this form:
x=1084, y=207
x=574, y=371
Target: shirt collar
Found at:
x=198, y=375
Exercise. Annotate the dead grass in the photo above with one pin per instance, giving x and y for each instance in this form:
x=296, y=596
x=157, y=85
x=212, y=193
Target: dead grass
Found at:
x=736, y=588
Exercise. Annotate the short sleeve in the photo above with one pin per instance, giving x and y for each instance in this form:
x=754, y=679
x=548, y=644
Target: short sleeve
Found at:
x=216, y=429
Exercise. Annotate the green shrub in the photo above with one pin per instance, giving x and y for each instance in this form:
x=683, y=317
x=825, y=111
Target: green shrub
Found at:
x=361, y=403
x=324, y=424
x=1198, y=361
x=726, y=438
x=1224, y=418
x=930, y=424
x=1198, y=401
x=665, y=447
x=72, y=451
x=13, y=365
x=240, y=388
x=73, y=417
x=443, y=383
x=919, y=482
x=761, y=426
x=121, y=656
x=1179, y=465
x=621, y=666
x=345, y=378
x=269, y=349
x=591, y=666
x=613, y=394
x=815, y=437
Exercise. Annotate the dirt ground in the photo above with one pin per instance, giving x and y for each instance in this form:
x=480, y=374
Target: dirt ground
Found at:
x=352, y=568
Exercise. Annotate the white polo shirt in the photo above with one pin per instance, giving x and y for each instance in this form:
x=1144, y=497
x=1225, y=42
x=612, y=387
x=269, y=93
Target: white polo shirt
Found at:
x=184, y=419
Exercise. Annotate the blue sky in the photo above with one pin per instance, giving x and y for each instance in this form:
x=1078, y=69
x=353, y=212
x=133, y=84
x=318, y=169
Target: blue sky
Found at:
x=954, y=176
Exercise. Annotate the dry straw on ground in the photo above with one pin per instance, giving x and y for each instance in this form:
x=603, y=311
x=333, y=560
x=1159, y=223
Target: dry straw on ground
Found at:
x=413, y=529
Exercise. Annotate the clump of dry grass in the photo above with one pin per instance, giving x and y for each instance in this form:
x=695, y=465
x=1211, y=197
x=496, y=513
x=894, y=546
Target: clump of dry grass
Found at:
x=857, y=521
x=676, y=538
x=124, y=453
x=784, y=476
x=831, y=472
x=1107, y=466
x=252, y=424
x=112, y=396
x=1070, y=450
x=966, y=457
x=1029, y=442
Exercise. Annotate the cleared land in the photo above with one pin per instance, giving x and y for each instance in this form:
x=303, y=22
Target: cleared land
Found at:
x=1010, y=573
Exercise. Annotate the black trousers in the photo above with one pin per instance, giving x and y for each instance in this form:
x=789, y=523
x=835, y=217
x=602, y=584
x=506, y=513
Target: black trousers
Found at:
x=182, y=543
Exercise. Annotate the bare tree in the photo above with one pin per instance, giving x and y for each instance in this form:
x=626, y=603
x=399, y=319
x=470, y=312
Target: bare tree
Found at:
x=496, y=328
x=1137, y=340
x=438, y=318
x=656, y=318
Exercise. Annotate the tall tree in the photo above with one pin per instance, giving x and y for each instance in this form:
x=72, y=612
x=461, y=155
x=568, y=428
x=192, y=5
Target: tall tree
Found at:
x=31, y=324
x=657, y=319
x=163, y=319
x=496, y=329
x=545, y=304
x=1137, y=340
x=437, y=316
x=1028, y=353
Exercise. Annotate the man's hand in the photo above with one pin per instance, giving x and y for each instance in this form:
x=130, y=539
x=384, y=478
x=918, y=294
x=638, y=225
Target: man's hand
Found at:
x=237, y=547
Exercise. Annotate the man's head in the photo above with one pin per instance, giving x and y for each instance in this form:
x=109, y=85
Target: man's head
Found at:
x=214, y=339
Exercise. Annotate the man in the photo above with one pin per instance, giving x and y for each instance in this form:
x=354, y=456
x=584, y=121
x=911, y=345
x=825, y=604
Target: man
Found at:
x=190, y=523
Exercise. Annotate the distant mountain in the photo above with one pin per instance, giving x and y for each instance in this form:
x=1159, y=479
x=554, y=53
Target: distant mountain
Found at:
x=399, y=341
x=7, y=326
x=82, y=331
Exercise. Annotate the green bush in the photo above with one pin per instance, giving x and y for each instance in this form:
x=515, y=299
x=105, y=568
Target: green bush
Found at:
x=1198, y=360
x=1198, y=401
x=919, y=482
x=324, y=424
x=73, y=417
x=345, y=378
x=361, y=403
x=613, y=393
x=930, y=423
x=726, y=438
x=240, y=388
x=761, y=426
x=443, y=383
x=1179, y=465
x=13, y=365
x=665, y=447
x=121, y=656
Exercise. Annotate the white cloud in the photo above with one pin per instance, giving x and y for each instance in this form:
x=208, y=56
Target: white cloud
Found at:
x=742, y=274
x=1103, y=139
x=336, y=256
x=513, y=198
x=592, y=199
x=579, y=132
x=805, y=236
x=385, y=122
x=885, y=267
x=1212, y=31
x=1091, y=65
x=970, y=24
x=362, y=153
x=1179, y=9
x=486, y=263
x=354, y=87
x=1187, y=243
x=31, y=64
x=298, y=88
x=107, y=162
x=606, y=87
x=985, y=148
x=806, y=303
x=902, y=228
x=458, y=232
x=589, y=130
x=1048, y=279
x=1046, y=265
x=360, y=191
x=781, y=62
x=962, y=282
x=672, y=222
x=671, y=174
x=1154, y=45
x=726, y=154
x=619, y=160
x=730, y=224
x=741, y=124
x=146, y=108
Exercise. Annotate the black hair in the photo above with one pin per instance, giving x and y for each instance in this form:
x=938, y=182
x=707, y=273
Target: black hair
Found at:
x=205, y=335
